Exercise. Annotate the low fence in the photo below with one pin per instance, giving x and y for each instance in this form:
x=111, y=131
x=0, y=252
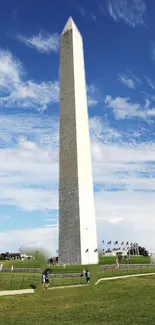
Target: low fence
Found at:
x=101, y=267
x=124, y=266
x=126, y=270
x=21, y=270
x=16, y=280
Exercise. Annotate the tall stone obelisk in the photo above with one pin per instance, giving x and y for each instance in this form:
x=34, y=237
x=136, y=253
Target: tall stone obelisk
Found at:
x=77, y=222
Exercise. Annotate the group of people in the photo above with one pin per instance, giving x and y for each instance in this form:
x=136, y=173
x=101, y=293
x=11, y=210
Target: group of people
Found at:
x=45, y=277
x=126, y=258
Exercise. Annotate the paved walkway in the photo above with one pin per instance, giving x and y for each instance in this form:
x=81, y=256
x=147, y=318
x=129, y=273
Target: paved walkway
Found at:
x=16, y=292
x=123, y=277
x=70, y=286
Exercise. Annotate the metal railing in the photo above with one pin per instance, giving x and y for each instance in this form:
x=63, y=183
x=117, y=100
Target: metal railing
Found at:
x=15, y=280
x=101, y=267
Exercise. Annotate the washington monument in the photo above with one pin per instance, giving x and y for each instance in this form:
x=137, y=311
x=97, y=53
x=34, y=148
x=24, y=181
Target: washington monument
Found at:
x=77, y=222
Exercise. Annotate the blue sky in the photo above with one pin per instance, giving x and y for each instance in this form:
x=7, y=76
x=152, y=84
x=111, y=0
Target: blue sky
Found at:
x=119, y=48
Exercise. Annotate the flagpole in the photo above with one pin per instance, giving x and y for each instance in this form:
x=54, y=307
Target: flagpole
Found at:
x=87, y=241
x=68, y=257
x=78, y=255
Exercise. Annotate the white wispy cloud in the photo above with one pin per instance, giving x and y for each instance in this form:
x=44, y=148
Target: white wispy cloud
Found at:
x=137, y=80
x=30, y=94
x=81, y=10
x=150, y=83
x=23, y=143
x=92, y=95
x=29, y=177
x=36, y=238
x=36, y=163
x=93, y=16
x=84, y=12
x=44, y=42
x=16, y=92
x=132, y=12
x=123, y=108
x=129, y=80
x=126, y=81
x=11, y=71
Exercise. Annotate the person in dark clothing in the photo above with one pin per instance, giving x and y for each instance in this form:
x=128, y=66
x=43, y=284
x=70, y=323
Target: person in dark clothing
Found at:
x=43, y=280
x=87, y=276
x=46, y=280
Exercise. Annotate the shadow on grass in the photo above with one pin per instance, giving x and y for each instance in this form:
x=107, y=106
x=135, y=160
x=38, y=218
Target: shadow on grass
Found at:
x=33, y=286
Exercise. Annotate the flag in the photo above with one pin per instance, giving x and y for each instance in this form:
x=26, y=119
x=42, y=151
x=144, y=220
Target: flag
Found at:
x=95, y=250
x=122, y=243
x=116, y=242
x=87, y=250
x=109, y=242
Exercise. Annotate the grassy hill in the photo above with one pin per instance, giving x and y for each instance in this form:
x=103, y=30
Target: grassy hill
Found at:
x=59, y=269
x=119, y=302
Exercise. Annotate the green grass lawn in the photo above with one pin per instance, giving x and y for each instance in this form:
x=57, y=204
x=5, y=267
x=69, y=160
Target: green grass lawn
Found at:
x=108, y=260
x=120, y=302
x=74, y=268
x=12, y=281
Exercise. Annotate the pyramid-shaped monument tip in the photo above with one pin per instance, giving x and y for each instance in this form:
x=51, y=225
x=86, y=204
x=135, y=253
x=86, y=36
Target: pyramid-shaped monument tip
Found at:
x=69, y=25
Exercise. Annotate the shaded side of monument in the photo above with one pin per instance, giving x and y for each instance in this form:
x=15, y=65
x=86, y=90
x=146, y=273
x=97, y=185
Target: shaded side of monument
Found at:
x=77, y=222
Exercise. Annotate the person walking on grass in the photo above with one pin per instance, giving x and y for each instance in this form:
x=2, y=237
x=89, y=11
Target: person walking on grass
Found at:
x=43, y=280
x=87, y=273
x=117, y=264
x=46, y=280
x=88, y=277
